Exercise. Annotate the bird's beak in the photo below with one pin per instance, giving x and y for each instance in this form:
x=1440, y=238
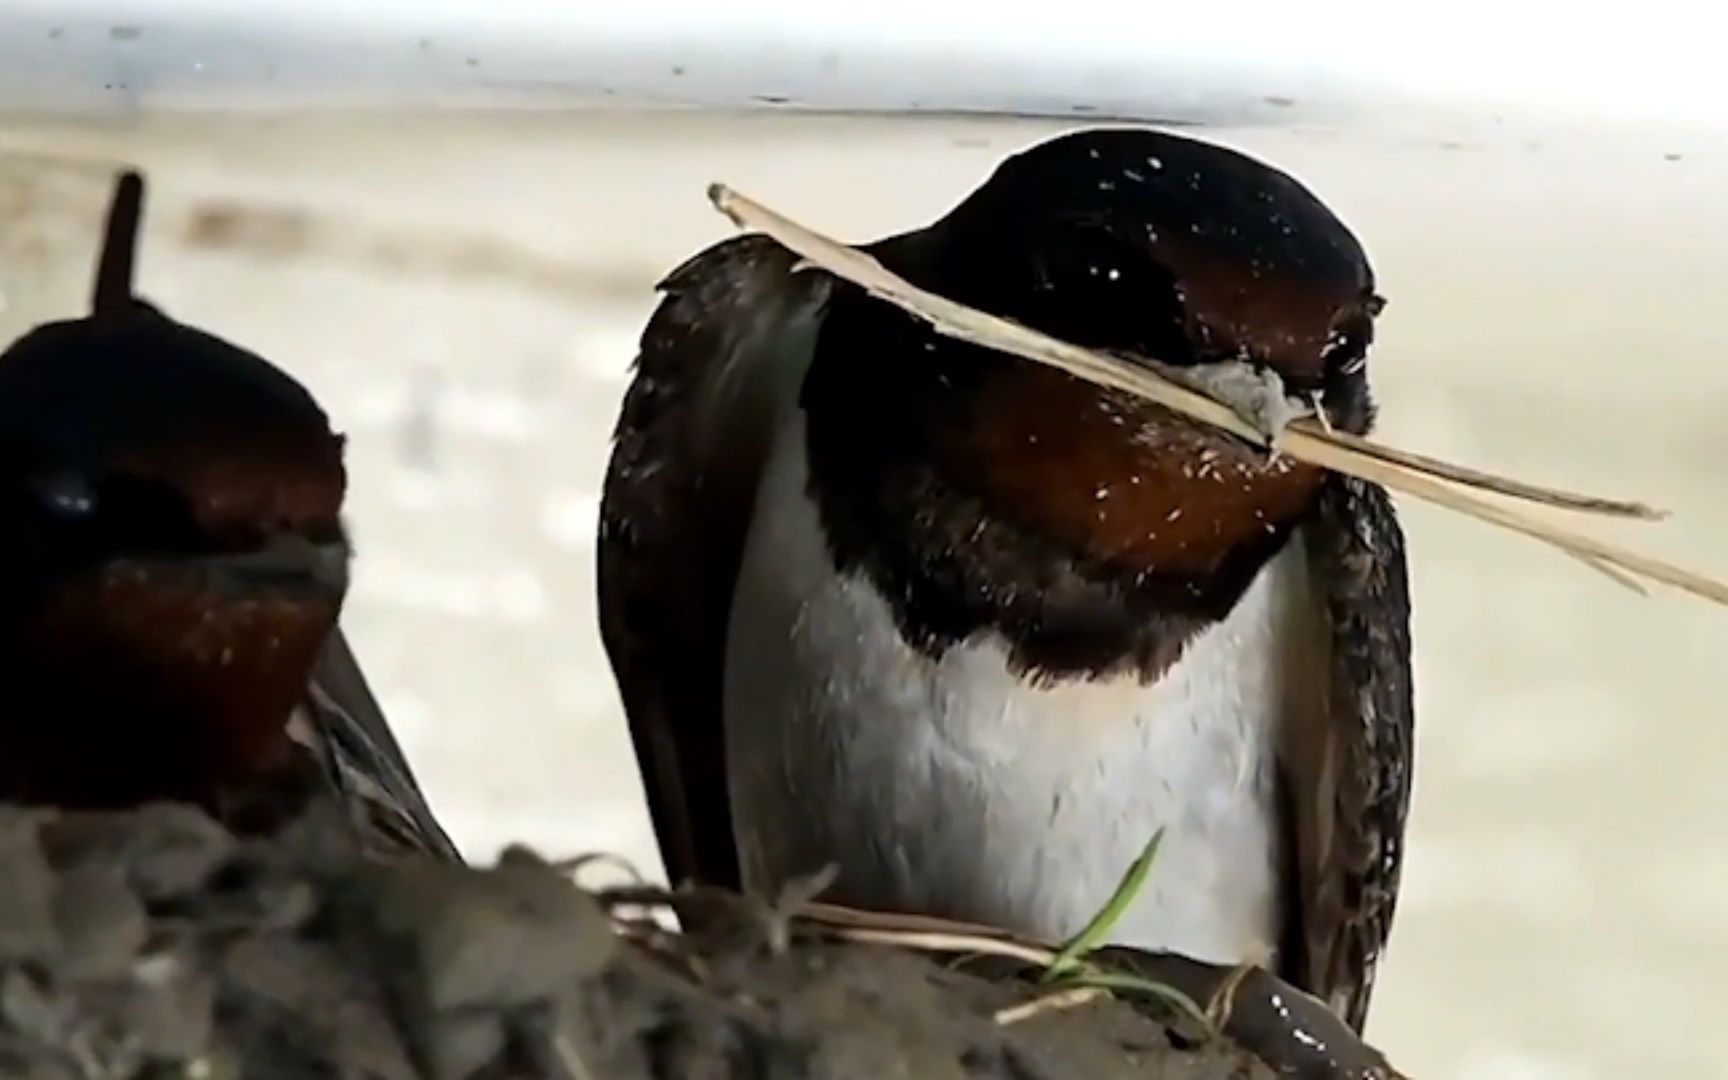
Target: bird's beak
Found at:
x=286, y=564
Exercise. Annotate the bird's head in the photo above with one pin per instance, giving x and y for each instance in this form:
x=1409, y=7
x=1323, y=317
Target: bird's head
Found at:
x=172, y=547
x=1130, y=241
x=1183, y=251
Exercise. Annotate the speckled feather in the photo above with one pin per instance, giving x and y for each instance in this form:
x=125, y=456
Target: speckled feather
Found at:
x=1357, y=548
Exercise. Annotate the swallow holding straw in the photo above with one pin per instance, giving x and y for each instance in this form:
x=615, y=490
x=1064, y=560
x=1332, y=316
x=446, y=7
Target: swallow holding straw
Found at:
x=174, y=564
x=972, y=630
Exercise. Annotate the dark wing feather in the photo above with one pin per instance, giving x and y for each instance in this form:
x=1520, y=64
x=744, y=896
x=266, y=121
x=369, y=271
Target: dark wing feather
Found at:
x=1350, y=787
x=720, y=365
x=345, y=731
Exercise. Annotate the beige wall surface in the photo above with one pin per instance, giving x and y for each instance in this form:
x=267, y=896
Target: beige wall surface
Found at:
x=464, y=292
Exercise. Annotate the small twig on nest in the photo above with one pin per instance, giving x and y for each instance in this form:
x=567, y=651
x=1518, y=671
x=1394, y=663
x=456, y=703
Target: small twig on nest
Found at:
x=938, y=942
x=574, y=1067
x=1224, y=1000
x=572, y=867
x=1072, y=998
x=1455, y=487
x=1065, y=966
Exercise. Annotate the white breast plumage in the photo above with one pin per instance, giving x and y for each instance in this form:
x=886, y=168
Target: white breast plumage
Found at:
x=954, y=787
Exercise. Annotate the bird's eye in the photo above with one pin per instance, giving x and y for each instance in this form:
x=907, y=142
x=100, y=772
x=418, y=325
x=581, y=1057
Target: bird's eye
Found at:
x=66, y=494
x=1346, y=348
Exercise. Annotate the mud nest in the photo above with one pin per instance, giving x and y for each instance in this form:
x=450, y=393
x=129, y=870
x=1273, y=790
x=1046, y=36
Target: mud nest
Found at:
x=154, y=944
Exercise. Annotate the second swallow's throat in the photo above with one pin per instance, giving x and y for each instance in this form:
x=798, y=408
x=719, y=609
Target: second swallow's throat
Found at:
x=77, y=749
x=116, y=698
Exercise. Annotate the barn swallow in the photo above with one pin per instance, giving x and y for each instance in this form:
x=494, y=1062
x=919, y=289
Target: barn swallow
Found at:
x=973, y=631
x=173, y=562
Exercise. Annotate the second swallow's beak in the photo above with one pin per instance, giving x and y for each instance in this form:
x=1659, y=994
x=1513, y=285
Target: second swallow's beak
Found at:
x=286, y=563
x=285, y=566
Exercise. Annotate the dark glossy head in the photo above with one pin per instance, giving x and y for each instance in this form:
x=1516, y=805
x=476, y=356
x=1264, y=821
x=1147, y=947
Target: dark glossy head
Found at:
x=1168, y=247
x=172, y=554
x=129, y=436
x=135, y=436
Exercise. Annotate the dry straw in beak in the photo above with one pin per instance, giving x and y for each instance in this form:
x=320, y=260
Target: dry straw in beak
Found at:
x=1452, y=486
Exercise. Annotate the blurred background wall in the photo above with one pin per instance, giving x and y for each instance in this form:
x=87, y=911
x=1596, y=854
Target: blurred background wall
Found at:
x=463, y=291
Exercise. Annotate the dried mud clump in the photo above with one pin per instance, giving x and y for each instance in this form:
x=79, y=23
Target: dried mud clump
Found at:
x=152, y=944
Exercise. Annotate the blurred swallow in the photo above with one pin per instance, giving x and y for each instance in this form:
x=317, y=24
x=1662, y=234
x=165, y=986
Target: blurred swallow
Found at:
x=173, y=562
x=974, y=631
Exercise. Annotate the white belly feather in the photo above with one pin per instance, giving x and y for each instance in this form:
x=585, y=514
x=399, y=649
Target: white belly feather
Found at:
x=953, y=787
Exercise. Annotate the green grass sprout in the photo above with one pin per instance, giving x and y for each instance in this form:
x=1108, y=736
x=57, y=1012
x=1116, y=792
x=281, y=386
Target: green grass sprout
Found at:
x=1068, y=957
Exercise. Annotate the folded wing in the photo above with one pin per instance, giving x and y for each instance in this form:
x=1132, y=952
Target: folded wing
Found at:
x=720, y=366
x=344, y=729
x=1350, y=781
